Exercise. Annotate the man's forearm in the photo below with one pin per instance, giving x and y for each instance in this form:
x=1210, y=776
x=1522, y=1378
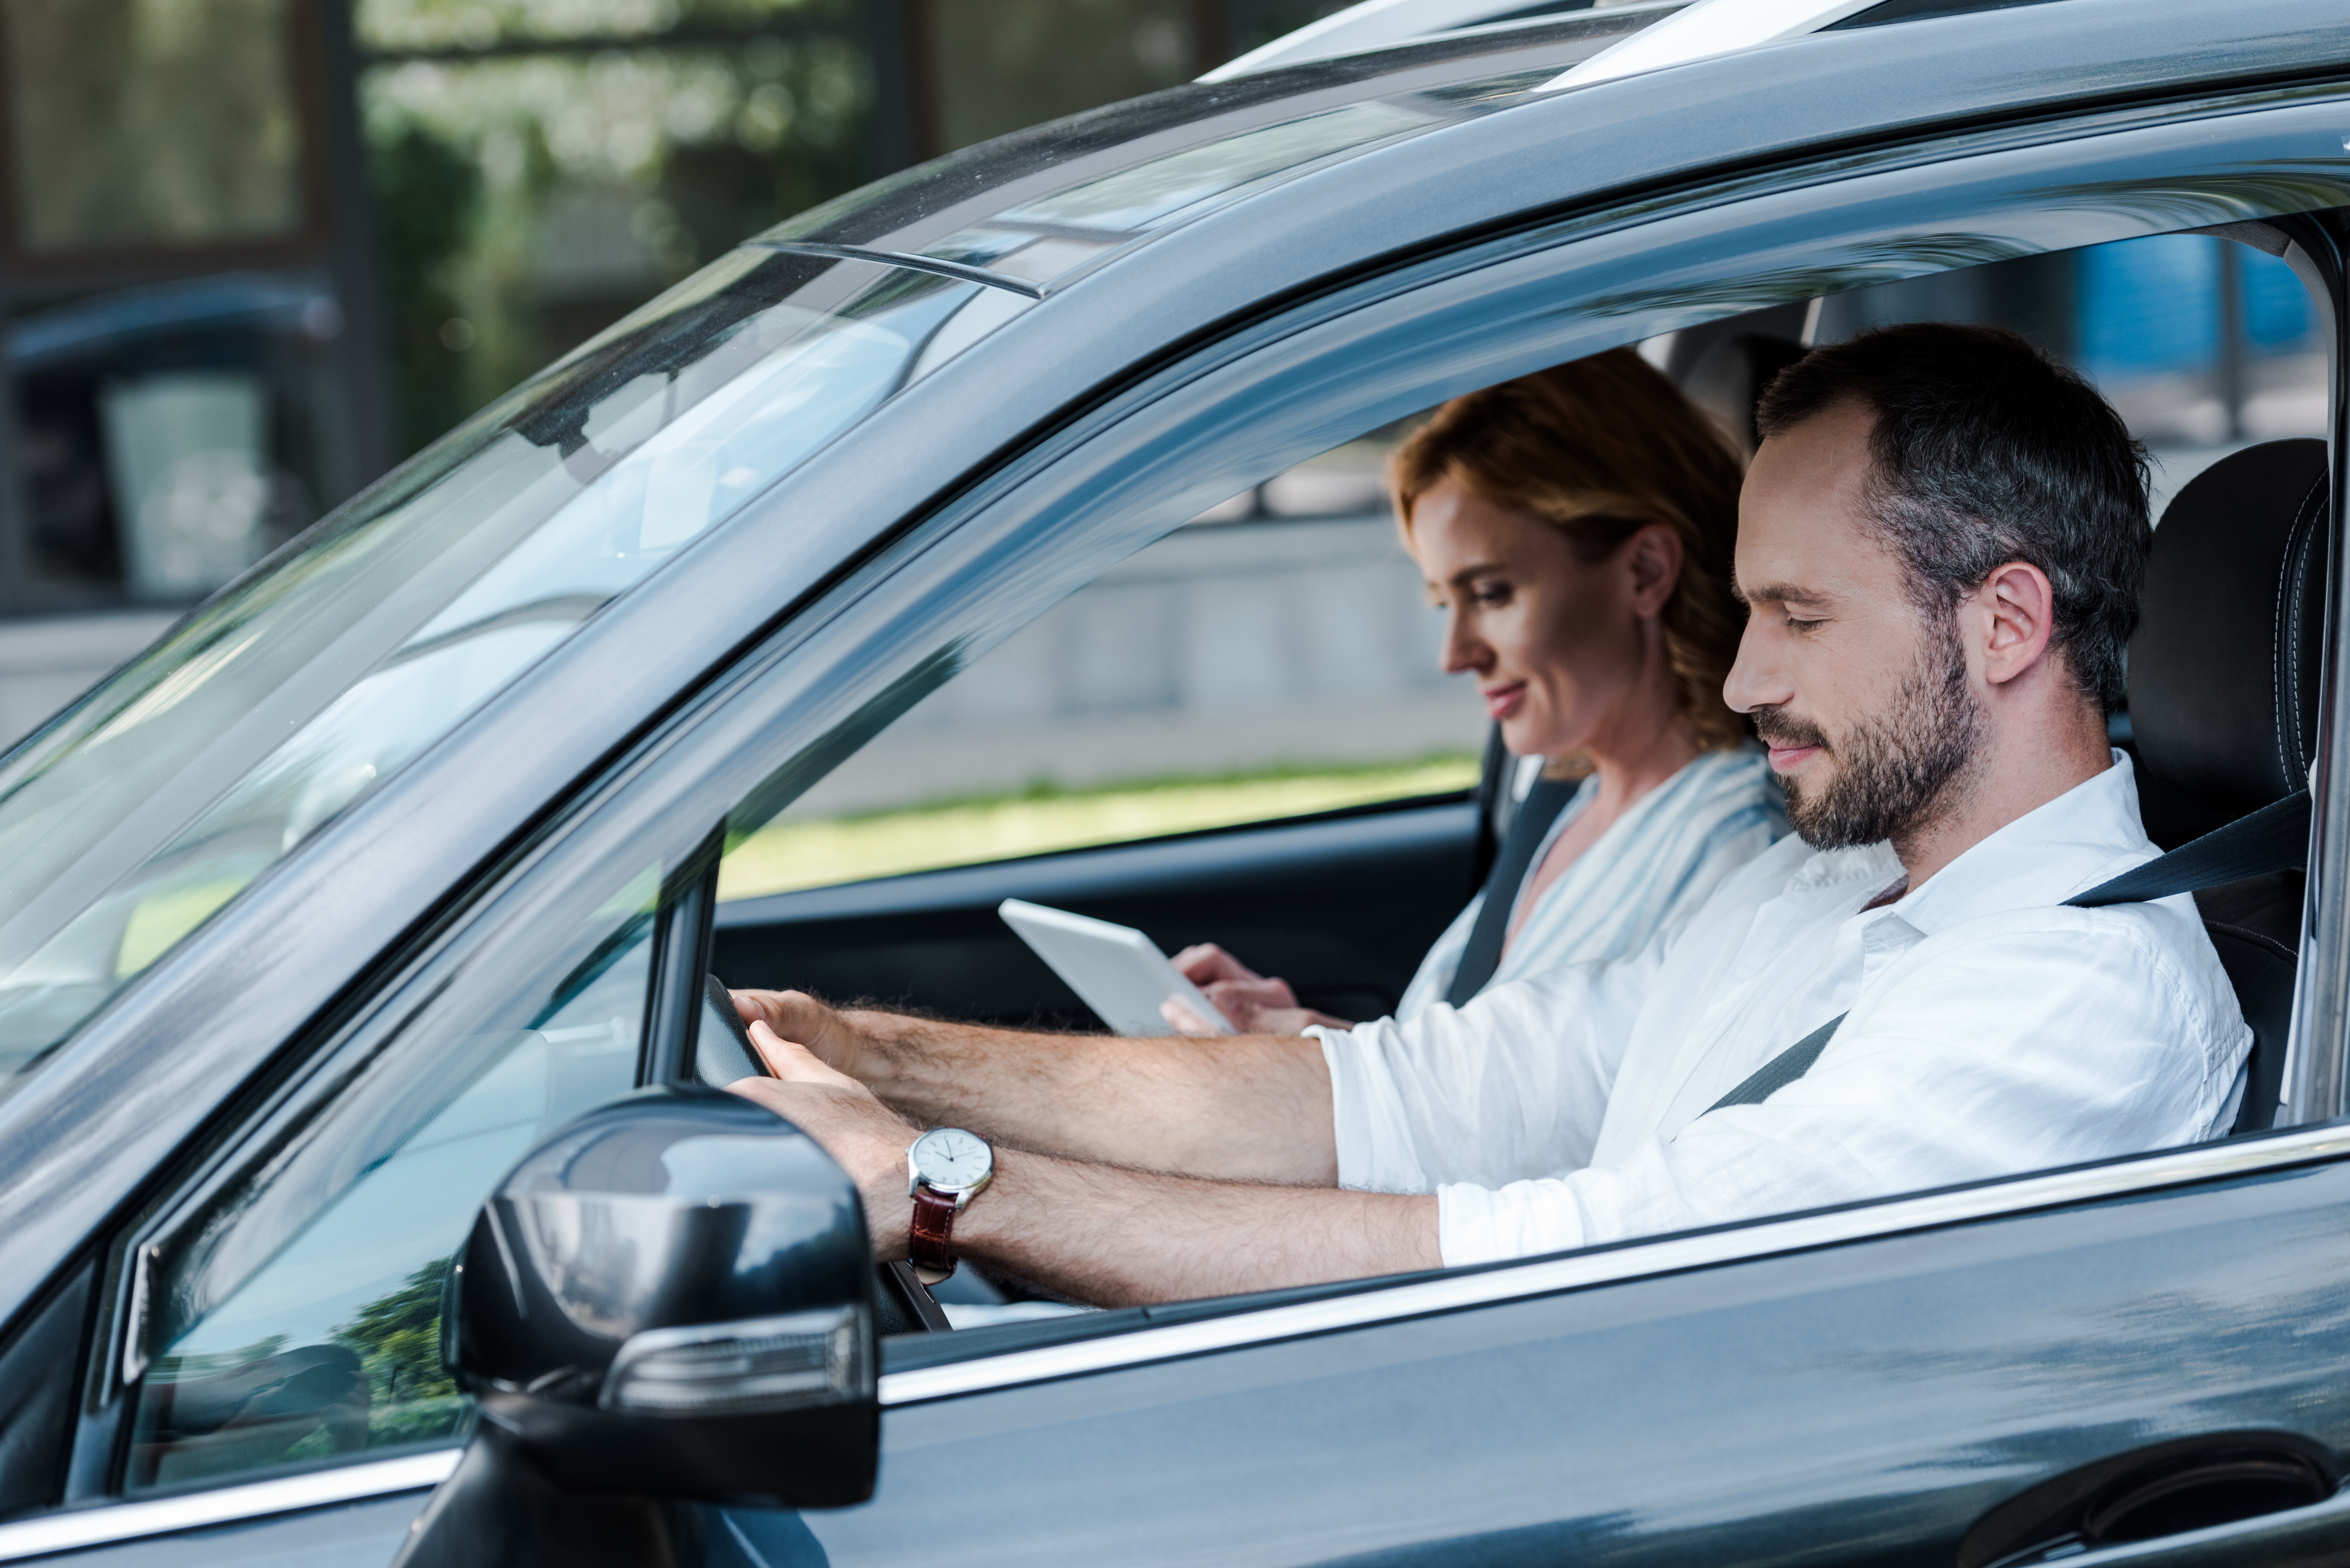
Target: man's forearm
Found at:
x=1246, y=1108
x=1115, y=1238
x=1098, y=1232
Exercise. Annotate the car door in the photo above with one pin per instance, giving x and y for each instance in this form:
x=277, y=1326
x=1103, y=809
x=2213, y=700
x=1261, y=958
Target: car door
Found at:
x=1932, y=1379
x=1894, y=1371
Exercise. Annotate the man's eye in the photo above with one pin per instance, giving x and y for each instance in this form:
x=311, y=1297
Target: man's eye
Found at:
x=1797, y=623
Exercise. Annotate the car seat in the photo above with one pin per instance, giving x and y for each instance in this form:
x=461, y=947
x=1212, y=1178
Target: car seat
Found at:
x=2223, y=683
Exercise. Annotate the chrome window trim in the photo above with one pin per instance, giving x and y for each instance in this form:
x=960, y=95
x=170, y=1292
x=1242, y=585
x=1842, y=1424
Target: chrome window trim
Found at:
x=415, y=1472
x=193, y=1511
x=1549, y=1276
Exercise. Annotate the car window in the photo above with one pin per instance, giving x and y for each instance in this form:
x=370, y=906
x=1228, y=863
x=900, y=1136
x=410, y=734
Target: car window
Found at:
x=297, y=1317
x=133, y=816
x=1275, y=658
x=1113, y=682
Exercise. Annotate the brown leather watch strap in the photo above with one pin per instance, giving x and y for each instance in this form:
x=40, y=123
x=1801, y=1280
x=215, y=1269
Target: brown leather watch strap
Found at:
x=931, y=1244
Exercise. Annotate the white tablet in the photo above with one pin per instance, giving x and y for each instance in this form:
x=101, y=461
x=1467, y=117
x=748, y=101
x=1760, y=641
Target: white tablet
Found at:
x=1119, y=972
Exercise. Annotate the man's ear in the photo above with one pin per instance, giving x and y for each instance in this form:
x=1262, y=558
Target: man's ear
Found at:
x=2014, y=615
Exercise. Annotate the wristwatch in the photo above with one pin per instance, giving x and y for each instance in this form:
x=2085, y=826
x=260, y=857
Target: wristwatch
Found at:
x=945, y=1168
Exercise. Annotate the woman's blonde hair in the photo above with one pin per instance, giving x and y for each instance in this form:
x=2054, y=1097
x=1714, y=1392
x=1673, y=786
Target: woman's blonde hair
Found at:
x=1600, y=448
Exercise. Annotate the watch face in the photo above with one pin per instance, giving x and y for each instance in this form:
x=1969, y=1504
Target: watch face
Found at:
x=952, y=1159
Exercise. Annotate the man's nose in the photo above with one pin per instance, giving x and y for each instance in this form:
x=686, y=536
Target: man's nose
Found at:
x=1755, y=678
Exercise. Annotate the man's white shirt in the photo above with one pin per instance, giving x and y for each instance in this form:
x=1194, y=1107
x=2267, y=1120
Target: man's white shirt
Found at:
x=1988, y=1031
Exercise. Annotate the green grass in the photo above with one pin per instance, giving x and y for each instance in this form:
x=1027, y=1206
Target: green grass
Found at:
x=969, y=831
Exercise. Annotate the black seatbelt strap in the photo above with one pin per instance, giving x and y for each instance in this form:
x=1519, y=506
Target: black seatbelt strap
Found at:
x=2274, y=839
x=1527, y=828
x=1783, y=1069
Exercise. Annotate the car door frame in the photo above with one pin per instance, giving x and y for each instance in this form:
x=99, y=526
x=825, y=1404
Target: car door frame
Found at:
x=1101, y=469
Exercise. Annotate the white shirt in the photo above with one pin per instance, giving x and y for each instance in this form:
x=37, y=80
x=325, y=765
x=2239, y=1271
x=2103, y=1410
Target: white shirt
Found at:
x=1655, y=866
x=1989, y=1031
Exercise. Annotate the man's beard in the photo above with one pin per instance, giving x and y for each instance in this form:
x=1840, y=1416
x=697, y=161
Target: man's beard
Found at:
x=1896, y=770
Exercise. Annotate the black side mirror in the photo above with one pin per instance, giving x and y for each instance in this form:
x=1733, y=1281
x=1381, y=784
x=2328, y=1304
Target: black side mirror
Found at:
x=669, y=1301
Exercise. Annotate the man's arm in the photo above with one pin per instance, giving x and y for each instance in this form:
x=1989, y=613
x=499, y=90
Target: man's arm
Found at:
x=1249, y=1108
x=1102, y=1233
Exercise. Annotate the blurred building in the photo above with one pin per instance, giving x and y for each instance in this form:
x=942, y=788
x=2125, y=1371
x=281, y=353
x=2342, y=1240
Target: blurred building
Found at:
x=254, y=252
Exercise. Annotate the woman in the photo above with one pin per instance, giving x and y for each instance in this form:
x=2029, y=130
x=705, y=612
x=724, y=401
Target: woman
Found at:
x=1575, y=527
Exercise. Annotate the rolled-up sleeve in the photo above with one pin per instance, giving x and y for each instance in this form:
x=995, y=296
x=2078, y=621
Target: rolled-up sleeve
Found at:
x=1513, y=1084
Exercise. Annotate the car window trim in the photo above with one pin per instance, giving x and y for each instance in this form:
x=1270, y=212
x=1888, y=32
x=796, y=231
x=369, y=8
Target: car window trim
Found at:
x=74, y=1529
x=1136, y=1347
x=1644, y=1259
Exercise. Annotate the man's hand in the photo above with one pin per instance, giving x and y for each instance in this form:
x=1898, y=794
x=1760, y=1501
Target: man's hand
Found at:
x=1252, y=1116
x=1256, y=1003
x=864, y=1136
x=795, y=1016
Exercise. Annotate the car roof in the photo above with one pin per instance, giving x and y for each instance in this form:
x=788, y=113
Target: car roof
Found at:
x=1699, y=26
x=1779, y=98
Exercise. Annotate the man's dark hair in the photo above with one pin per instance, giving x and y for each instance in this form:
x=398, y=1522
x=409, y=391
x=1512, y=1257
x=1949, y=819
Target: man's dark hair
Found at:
x=1985, y=452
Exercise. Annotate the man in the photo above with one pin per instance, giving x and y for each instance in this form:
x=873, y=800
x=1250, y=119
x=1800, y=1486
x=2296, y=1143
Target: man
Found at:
x=1940, y=546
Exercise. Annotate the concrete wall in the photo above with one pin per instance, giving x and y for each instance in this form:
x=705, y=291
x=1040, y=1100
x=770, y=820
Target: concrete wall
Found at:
x=1222, y=647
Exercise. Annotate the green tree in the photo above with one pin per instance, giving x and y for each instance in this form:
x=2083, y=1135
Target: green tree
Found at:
x=398, y=1338
x=428, y=195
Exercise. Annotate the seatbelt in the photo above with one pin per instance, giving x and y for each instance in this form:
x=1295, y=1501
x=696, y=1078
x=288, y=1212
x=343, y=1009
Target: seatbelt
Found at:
x=1482, y=955
x=2274, y=839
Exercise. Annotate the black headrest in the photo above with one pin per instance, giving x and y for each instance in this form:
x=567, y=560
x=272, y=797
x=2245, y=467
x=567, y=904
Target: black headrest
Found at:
x=2223, y=672
x=1727, y=380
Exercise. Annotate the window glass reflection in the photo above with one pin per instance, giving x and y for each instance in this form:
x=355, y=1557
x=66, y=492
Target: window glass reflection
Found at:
x=190, y=773
x=302, y=1322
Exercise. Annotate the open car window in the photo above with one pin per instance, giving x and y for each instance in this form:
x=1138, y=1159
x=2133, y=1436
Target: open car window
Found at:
x=2204, y=346
x=1275, y=658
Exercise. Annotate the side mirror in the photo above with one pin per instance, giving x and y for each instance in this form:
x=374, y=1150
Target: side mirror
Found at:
x=670, y=1299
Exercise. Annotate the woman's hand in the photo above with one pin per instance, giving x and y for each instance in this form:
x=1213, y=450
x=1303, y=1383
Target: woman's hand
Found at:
x=1256, y=1003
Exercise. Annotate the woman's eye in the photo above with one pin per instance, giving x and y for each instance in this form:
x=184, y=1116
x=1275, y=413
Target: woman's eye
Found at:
x=1490, y=595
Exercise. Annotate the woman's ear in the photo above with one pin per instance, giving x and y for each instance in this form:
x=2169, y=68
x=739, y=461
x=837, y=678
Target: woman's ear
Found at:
x=1654, y=555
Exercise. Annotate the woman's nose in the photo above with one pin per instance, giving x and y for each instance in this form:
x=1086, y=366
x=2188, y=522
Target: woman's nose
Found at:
x=1464, y=652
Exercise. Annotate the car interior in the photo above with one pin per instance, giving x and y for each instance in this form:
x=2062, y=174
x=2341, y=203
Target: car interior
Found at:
x=2222, y=721
x=882, y=879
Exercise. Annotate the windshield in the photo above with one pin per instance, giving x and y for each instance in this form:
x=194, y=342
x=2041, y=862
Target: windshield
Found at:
x=135, y=815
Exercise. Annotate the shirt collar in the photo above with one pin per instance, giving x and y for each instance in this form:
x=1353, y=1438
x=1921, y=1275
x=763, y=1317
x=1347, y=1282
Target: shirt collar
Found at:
x=1873, y=863
x=2088, y=834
